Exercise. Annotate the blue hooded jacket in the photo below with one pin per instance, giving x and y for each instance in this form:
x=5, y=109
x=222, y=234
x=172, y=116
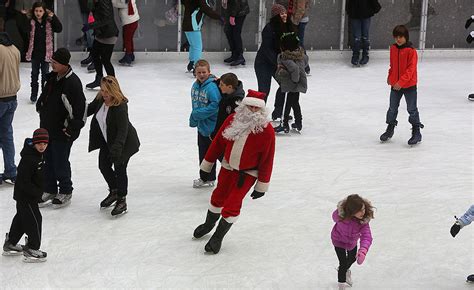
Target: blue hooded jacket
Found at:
x=205, y=99
x=468, y=216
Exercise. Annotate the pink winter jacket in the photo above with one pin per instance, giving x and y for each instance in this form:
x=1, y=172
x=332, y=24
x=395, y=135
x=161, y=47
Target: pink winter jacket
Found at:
x=345, y=233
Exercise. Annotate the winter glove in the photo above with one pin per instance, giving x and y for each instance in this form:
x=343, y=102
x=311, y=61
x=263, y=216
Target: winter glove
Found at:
x=455, y=229
x=85, y=27
x=469, y=22
x=232, y=21
x=205, y=176
x=257, y=194
x=361, y=255
x=470, y=37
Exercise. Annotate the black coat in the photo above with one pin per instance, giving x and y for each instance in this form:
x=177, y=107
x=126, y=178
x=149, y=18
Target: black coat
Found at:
x=39, y=48
x=361, y=9
x=122, y=138
x=227, y=106
x=61, y=105
x=190, y=6
x=104, y=22
x=29, y=178
x=83, y=6
x=237, y=8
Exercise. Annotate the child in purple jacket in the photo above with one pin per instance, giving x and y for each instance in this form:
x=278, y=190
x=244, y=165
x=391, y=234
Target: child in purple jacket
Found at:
x=352, y=218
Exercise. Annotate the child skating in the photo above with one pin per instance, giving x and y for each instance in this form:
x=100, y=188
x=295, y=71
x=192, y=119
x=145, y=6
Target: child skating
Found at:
x=461, y=222
x=352, y=218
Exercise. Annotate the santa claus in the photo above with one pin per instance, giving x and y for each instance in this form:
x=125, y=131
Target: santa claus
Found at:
x=246, y=140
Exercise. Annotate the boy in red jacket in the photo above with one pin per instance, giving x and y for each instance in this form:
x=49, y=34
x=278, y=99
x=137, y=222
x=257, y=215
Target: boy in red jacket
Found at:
x=402, y=77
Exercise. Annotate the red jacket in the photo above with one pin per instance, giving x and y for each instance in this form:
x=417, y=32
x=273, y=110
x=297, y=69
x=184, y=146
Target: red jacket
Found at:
x=403, y=66
x=252, y=153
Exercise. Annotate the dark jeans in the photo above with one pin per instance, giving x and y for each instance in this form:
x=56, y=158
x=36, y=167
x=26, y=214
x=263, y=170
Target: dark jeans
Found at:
x=410, y=98
x=360, y=28
x=233, y=34
x=279, y=105
x=301, y=29
x=264, y=73
x=101, y=54
x=27, y=220
x=115, y=177
x=36, y=66
x=7, y=112
x=57, y=167
x=346, y=259
x=204, y=143
x=293, y=102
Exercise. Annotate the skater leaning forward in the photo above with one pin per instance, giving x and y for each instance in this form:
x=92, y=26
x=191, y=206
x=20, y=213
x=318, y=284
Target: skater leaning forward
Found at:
x=112, y=133
x=247, y=142
x=402, y=77
x=461, y=222
x=27, y=193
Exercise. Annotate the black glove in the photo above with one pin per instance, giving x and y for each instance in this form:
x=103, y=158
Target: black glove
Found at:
x=455, y=229
x=257, y=194
x=469, y=22
x=470, y=37
x=205, y=176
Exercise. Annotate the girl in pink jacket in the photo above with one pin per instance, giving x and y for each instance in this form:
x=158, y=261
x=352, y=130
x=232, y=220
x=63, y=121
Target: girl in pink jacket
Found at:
x=352, y=218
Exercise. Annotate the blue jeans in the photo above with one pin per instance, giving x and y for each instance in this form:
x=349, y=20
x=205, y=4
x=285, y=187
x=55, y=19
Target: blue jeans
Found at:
x=301, y=29
x=57, y=167
x=410, y=98
x=360, y=29
x=195, y=45
x=36, y=66
x=88, y=33
x=7, y=111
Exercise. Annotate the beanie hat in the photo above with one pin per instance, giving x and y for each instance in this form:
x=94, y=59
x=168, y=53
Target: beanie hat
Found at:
x=254, y=98
x=277, y=9
x=40, y=136
x=289, y=41
x=62, y=55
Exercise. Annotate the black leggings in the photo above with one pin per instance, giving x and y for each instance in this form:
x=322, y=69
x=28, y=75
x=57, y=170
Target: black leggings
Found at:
x=292, y=102
x=346, y=259
x=101, y=54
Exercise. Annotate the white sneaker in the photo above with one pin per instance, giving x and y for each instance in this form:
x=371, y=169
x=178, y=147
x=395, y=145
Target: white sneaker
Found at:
x=61, y=200
x=343, y=286
x=198, y=183
x=46, y=198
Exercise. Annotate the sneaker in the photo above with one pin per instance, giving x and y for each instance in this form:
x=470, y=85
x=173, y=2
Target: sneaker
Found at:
x=110, y=199
x=11, y=250
x=33, y=256
x=9, y=180
x=62, y=200
x=46, y=199
x=120, y=207
x=198, y=183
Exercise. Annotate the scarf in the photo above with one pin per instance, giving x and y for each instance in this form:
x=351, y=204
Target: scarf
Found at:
x=49, y=41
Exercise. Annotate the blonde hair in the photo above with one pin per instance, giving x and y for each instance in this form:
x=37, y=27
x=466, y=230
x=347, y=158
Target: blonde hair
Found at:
x=111, y=85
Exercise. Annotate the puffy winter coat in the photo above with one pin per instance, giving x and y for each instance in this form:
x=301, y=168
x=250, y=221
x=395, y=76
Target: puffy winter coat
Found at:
x=361, y=9
x=346, y=233
x=29, y=179
x=227, y=106
x=128, y=11
x=104, y=25
x=403, y=65
x=205, y=99
x=291, y=74
x=237, y=8
x=468, y=217
x=194, y=11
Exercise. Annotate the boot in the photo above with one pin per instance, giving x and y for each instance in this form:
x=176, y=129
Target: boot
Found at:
x=415, y=135
x=355, y=52
x=120, y=206
x=110, y=199
x=91, y=67
x=87, y=60
x=126, y=60
x=215, y=242
x=238, y=61
x=34, y=92
x=11, y=250
x=229, y=59
x=132, y=55
x=207, y=226
x=388, y=133
x=95, y=83
x=365, y=52
x=190, y=66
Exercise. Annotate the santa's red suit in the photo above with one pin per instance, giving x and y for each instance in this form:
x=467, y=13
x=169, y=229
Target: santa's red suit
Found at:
x=246, y=160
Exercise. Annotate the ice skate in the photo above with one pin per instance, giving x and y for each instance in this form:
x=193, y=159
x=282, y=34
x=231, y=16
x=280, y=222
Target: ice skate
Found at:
x=348, y=276
x=94, y=84
x=415, y=135
x=296, y=127
x=207, y=226
x=120, y=207
x=88, y=60
x=343, y=285
x=190, y=66
x=11, y=250
x=198, y=183
x=470, y=279
x=9, y=180
x=215, y=242
x=33, y=256
x=238, y=61
x=110, y=199
x=61, y=200
x=47, y=198
x=91, y=67
x=229, y=59
x=471, y=97
x=282, y=128
x=388, y=133
x=126, y=60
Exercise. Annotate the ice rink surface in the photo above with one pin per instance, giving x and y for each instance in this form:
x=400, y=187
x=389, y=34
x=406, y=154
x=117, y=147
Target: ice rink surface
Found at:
x=281, y=241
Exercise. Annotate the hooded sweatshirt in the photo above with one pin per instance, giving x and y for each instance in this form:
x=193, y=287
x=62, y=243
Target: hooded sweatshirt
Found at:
x=227, y=106
x=29, y=179
x=205, y=100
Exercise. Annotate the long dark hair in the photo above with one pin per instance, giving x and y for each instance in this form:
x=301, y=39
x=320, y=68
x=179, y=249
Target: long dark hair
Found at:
x=354, y=203
x=36, y=5
x=280, y=27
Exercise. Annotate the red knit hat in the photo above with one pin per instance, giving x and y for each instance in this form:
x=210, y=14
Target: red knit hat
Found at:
x=40, y=136
x=254, y=98
x=278, y=9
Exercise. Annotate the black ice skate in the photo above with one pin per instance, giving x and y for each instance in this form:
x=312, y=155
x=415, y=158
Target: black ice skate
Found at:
x=94, y=84
x=88, y=60
x=215, y=242
x=470, y=278
x=62, y=200
x=238, y=61
x=296, y=127
x=471, y=97
x=207, y=226
x=110, y=199
x=33, y=256
x=91, y=67
x=120, y=207
x=11, y=250
x=388, y=133
x=415, y=135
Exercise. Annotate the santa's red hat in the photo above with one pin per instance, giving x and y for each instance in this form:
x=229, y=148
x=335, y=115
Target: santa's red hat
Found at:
x=254, y=98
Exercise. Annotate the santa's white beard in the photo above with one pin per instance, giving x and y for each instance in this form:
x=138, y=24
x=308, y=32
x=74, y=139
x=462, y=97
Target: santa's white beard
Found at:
x=246, y=122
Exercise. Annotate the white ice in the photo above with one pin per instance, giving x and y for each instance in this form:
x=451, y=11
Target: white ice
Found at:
x=281, y=241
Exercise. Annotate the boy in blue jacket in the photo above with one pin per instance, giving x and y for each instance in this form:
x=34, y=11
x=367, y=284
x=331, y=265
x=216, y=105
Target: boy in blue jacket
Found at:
x=461, y=222
x=205, y=99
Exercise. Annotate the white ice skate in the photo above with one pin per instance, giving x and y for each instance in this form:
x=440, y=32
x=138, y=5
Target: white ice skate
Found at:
x=62, y=200
x=47, y=198
x=199, y=183
x=343, y=286
x=348, y=276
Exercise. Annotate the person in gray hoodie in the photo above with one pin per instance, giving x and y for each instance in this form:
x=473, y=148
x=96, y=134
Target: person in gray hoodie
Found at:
x=291, y=76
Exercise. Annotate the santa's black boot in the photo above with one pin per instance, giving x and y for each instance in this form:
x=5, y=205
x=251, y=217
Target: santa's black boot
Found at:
x=207, y=226
x=215, y=242
x=388, y=132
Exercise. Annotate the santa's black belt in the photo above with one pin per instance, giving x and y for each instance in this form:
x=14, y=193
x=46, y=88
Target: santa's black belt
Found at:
x=241, y=179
